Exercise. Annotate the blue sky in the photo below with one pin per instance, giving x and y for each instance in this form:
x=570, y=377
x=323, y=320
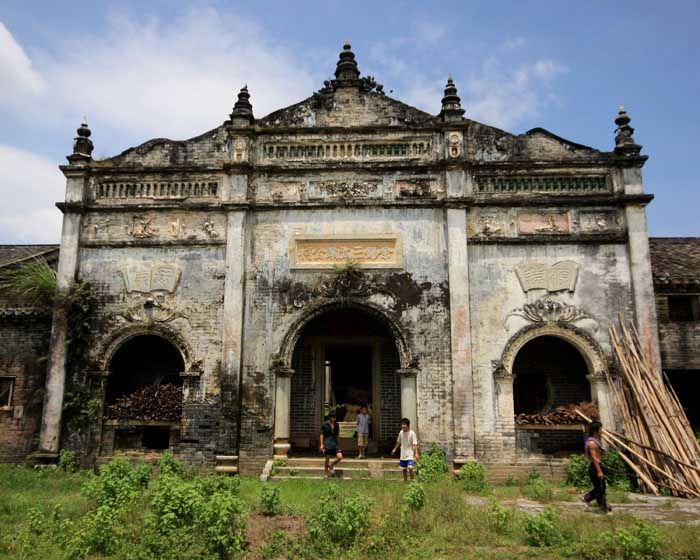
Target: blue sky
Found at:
x=140, y=70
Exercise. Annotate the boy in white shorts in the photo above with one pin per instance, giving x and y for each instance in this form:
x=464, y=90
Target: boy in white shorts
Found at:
x=362, y=429
x=408, y=442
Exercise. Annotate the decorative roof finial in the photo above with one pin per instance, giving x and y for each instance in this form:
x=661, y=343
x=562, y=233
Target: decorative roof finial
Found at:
x=242, y=114
x=82, y=145
x=624, y=141
x=346, y=69
x=451, y=103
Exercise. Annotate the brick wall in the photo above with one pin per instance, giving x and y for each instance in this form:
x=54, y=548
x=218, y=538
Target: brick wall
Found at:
x=22, y=342
x=304, y=426
x=390, y=395
x=679, y=340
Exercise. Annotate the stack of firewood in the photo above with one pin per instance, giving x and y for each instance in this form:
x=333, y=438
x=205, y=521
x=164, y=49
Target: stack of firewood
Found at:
x=565, y=414
x=152, y=402
x=657, y=441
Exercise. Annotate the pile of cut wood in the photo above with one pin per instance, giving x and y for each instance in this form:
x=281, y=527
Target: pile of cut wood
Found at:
x=657, y=441
x=565, y=414
x=152, y=402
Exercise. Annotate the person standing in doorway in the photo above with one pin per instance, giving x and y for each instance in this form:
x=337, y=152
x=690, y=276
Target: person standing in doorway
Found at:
x=594, y=451
x=408, y=442
x=362, y=429
x=329, y=445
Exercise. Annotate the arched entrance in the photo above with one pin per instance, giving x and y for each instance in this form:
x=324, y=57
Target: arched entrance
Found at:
x=143, y=395
x=343, y=358
x=549, y=372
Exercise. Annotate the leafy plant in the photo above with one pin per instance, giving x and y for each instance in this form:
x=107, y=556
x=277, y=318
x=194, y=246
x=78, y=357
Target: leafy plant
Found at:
x=66, y=461
x=119, y=483
x=472, y=476
x=414, y=497
x=511, y=481
x=432, y=464
x=499, y=518
x=270, y=501
x=641, y=541
x=542, y=529
x=169, y=465
x=33, y=282
x=276, y=464
x=538, y=489
x=339, y=520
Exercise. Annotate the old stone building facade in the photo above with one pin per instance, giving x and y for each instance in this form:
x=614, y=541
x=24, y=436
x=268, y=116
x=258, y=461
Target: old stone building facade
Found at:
x=350, y=249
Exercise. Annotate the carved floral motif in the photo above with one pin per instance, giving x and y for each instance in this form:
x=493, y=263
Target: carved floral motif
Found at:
x=416, y=188
x=149, y=310
x=548, y=310
x=142, y=227
x=348, y=189
x=543, y=223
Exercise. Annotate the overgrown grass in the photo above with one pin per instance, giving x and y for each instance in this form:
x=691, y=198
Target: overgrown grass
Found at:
x=178, y=515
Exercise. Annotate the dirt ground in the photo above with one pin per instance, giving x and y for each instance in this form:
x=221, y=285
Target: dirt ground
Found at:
x=261, y=527
x=670, y=511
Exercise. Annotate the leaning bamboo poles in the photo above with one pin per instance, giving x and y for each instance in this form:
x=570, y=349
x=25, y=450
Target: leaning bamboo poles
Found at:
x=656, y=437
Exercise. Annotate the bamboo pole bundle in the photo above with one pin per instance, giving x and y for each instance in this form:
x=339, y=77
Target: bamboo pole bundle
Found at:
x=656, y=434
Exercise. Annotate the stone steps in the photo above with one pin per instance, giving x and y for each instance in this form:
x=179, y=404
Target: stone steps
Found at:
x=226, y=464
x=311, y=468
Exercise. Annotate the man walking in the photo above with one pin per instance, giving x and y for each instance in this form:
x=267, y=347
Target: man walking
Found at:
x=329, y=445
x=594, y=451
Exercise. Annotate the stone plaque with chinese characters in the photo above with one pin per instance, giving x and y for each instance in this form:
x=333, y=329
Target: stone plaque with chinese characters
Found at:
x=372, y=251
x=537, y=276
x=151, y=277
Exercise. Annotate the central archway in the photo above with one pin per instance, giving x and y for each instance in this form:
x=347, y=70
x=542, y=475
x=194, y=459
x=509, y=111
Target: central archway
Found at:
x=343, y=358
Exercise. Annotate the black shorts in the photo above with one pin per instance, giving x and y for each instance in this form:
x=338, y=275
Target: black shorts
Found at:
x=331, y=452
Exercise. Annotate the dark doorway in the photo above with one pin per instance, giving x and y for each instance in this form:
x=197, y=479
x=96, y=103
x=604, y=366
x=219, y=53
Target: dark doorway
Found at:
x=140, y=361
x=549, y=372
x=348, y=379
x=686, y=384
x=344, y=358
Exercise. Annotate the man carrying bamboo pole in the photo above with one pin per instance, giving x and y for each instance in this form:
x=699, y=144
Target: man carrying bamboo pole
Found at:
x=594, y=451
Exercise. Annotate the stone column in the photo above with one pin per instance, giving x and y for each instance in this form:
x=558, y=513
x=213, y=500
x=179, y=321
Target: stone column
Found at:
x=232, y=332
x=283, y=396
x=505, y=423
x=642, y=282
x=49, y=436
x=409, y=397
x=600, y=392
x=460, y=333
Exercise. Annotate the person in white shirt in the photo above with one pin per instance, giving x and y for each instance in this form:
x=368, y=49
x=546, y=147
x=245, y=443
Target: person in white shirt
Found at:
x=362, y=429
x=408, y=442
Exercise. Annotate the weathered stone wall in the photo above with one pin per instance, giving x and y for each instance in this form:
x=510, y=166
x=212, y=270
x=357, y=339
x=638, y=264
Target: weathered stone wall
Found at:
x=497, y=310
x=23, y=342
x=186, y=294
x=413, y=298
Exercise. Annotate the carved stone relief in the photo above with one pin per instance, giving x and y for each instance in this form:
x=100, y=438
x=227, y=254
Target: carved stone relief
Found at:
x=239, y=149
x=600, y=221
x=380, y=251
x=416, y=188
x=283, y=191
x=454, y=144
x=537, y=276
x=547, y=223
x=149, y=309
x=152, y=227
x=491, y=223
x=548, y=310
x=345, y=190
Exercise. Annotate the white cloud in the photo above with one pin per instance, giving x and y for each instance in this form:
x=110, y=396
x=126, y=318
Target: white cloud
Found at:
x=17, y=75
x=30, y=185
x=176, y=79
x=430, y=32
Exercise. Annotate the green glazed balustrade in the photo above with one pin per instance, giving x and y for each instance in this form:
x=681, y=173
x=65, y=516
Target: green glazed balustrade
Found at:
x=494, y=184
